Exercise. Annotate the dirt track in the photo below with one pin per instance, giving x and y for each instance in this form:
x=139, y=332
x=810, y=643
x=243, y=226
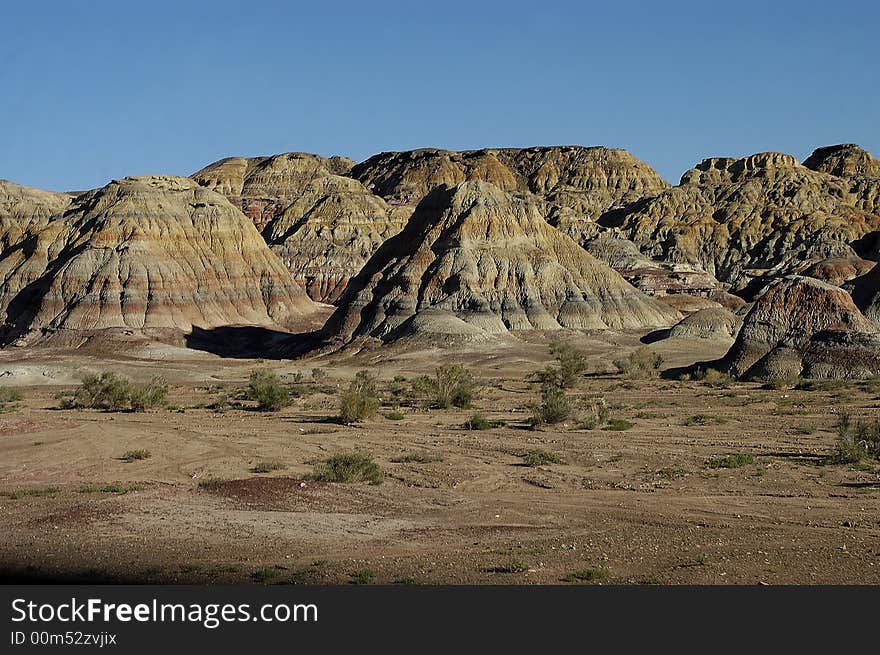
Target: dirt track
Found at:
x=641, y=504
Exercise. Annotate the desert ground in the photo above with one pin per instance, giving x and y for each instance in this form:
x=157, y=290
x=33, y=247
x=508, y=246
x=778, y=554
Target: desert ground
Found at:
x=658, y=503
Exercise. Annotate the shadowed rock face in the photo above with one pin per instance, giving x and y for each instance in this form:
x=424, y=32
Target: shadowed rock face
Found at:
x=474, y=260
x=323, y=225
x=146, y=253
x=579, y=184
x=866, y=293
x=739, y=218
x=845, y=160
x=794, y=315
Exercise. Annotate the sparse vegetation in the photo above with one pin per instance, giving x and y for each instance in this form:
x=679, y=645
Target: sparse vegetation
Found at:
x=591, y=574
x=594, y=412
x=713, y=377
x=641, y=364
x=130, y=456
x=734, y=461
x=571, y=366
x=480, y=422
x=512, y=565
x=704, y=419
x=363, y=576
x=555, y=407
x=8, y=396
x=417, y=458
x=29, y=493
x=266, y=389
x=452, y=385
x=618, y=425
x=265, y=574
x=361, y=400
x=539, y=457
x=348, y=467
x=856, y=440
x=394, y=416
x=267, y=466
x=114, y=393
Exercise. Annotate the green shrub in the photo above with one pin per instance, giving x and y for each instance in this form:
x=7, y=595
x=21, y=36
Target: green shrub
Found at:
x=135, y=455
x=594, y=412
x=8, y=395
x=319, y=375
x=363, y=576
x=512, y=565
x=617, y=425
x=856, y=441
x=734, y=461
x=417, y=458
x=555, y=407
x=590, y=574
x=642, y=363
x=480, y=422
x=361, y=400
x=267, y=466
x=451, y=386
x=265, y=388
x=395, y=416
x=348, y=467
x=703, y=419
x=114, y=393
x=713, y=377
x=539, y=457
x=571, y=365
x=821, y=385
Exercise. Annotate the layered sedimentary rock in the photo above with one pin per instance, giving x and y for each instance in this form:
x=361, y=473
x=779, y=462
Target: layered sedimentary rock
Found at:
x=145, y=253
x=714, y=323
x=740, y=218
x=323, y=225
x=796, y=316
x=844, y=160
x=838, y=270
x=474, y=259
x=579, y=184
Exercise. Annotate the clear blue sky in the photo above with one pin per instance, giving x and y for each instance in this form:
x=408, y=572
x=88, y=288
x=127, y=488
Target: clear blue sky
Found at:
x=98, y=90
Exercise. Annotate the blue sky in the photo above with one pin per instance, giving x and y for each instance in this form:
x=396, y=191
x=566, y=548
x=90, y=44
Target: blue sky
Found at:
x=97, y=90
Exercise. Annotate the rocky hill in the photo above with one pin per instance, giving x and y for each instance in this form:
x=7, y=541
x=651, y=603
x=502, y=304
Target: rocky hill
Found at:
x=144, y=253
x=323, y=225
x=740, y=218
x=476, y=260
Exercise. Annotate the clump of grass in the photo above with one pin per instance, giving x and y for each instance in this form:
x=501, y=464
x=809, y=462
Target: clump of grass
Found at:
x=417, y=458
x=704, y=419
x=8, y=396
x=480, y=422
x=618, y=425
x=780, y=383
x=512, y=565
x=130, y=456
x=119, y=488
x=267, y=466
x=856, y=440
x=348, y=467
x=266, y=389
x=713, y=377
x=265, y=574
x=29, y=493
x=594, y=412
x=363, y=576
x=555, y=407
x=451, y=386
x=361, y=400
x=539, y=457
x=211, y=484
x=642, y=363
x=571, y=365
x=733, y=461
x=821, y=385
x=115, y=393
x=590, y=574
x=395, y=416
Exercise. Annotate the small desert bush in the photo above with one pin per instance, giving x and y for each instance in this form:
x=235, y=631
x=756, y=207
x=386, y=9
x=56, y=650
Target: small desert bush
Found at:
x=363, y=576
x=539, y=457
x=266, y=389
x=135, y=455
x=512, y=565
x=780, y=383
x=114, y=393
x=480, y=422
x=713, y=377
x=618, y=425
x=593, y=412
x=361, y=400
x=590, y=574
x=642, y=363
x=417, y=458
x=395, y=416
x=8, y=396
x=267, y=466
x=571, y=365
x=856, y=440
x=703, y=419
x=555, y=407
x=734, y=461
x=348, y=467
x=452, y=385
x=821, y=385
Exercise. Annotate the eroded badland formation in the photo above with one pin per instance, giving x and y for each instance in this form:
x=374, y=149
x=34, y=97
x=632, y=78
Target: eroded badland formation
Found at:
x=720, y=425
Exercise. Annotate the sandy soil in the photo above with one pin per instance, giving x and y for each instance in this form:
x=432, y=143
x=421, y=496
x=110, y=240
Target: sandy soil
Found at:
x=642, y=505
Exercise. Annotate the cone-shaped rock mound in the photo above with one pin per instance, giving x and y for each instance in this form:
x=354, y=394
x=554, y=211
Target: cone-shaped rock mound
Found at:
x=474, y=259
x=797, y=316
x=144, y=253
